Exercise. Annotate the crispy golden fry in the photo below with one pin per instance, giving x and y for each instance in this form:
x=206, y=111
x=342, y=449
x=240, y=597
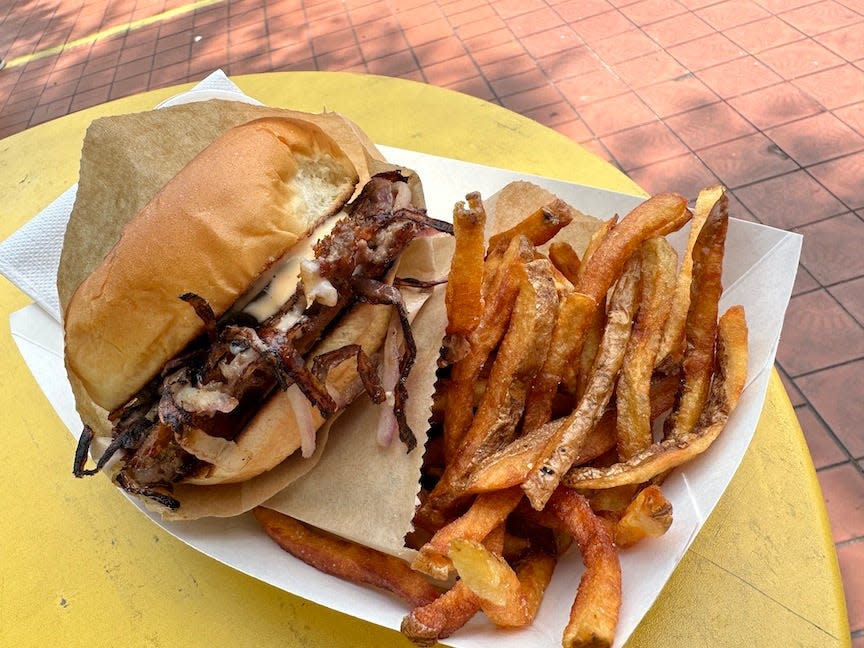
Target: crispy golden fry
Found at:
x=573, y=346
x=672, y=344
x=594, y=615
x=560, y=452
x=662, y=394
x=486, y=574
x=508, y=598
x=732, y=353
x=500, y=290
x=538, y=228
x=570, y=324
x=611, y=501
x=564, y=257
x=510, y=466
x=648, y=515
x=437, y=620
x=463, y=299
x=632, y=394
x=657, y=216
x=663, y=456
x=701, y=326
x=486, y=513
x=347, y=560
x=596, y=239
x=588, y=353
x=442, y=617
x=519, y=357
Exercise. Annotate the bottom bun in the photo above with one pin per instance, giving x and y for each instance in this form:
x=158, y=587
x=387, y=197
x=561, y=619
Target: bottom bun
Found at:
x=272, y=436
x=276, y=431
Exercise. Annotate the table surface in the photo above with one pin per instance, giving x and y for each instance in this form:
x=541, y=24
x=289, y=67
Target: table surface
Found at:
x=82, y=567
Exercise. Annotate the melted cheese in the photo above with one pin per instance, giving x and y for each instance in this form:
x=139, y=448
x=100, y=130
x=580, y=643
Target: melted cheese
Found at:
x=209, y=399
x=316, y=287
x=285, y=274
x=299, y=265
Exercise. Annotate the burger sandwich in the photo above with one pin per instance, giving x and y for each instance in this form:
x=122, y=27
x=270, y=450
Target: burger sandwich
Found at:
x=239, y=310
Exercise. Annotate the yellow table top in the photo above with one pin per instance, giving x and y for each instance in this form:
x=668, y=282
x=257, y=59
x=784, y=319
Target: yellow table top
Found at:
x=81, y=567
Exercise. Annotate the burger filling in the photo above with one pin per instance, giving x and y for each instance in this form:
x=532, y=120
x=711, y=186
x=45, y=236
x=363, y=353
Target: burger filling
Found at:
x=217, y=385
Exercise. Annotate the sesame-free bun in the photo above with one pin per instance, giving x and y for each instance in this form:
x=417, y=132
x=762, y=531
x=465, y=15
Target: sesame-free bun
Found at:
x=228, y=215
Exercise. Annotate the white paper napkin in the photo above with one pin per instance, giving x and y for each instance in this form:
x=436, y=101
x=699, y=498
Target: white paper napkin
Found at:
x=30, y=257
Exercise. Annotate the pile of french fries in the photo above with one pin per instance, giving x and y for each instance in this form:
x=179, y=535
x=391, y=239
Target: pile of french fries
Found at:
x=572, y=387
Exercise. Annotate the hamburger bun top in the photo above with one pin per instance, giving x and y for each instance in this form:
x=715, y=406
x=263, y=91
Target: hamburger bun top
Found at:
x=227, y=216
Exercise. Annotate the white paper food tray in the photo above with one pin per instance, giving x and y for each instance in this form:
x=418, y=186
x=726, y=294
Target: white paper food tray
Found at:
x=757, y=257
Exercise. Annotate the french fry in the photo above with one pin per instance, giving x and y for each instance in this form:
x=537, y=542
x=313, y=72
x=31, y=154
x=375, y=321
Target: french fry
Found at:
x=571, y=323
x=427, y=624
x=732, y=353
x=534, y=230
x=520, y=354
x=701, y=326
x=657, y=216
x=670, y=453
x=632, y=394
x=588, y=353
x=560, y=452
x=486, y=513
x=648, y=515
x=437, y=620
x=347, y=560
x=573, y=346
x=611, y=501
x=463, y=297
x=508, y=597
x=564, y=257
x=500, y=290
x=596, y=240
x=510, y=465
x=539, y=227
x=672, y=344
x=594, y=614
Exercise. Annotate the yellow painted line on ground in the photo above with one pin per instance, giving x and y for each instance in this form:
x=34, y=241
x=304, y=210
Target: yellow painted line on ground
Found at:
x=111, y=31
